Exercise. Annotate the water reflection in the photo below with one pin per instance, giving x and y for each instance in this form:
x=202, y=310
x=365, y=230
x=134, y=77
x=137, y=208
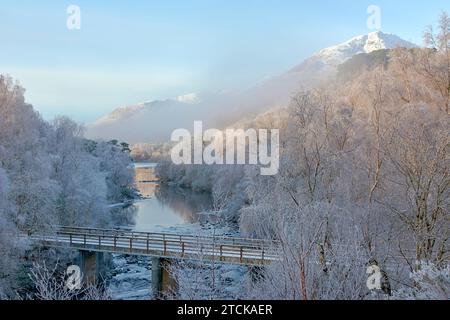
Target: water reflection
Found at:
x=145, y=179
x=185, y=202
x=163, y=206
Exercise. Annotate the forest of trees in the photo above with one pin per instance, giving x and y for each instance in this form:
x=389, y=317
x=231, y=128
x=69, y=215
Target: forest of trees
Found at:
x=50, y=175
x=364, y=179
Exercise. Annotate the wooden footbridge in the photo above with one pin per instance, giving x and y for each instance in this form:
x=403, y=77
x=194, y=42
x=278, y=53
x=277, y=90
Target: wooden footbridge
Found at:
x=163, y=248
x=233, y=250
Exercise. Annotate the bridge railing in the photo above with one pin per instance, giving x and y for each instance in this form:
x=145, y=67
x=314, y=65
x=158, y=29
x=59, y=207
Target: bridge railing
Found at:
x=171, y=236
x=165, y=245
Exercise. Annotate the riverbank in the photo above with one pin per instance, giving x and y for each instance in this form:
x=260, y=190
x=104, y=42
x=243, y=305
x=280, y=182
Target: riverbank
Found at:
x=171, y=209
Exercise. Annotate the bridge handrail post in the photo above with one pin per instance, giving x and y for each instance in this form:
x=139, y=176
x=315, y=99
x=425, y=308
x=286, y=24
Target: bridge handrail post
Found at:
x=182, y=248
x=70, y=237
x=115, y=243
x=165, y=247
x=242, y=254
x=84, y=238
x=148, y=244
x=221, y=252
x=131, y=244
x=99, y=241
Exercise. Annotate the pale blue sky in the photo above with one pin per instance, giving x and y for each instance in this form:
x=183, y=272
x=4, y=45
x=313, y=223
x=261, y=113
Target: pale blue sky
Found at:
x=132, y=51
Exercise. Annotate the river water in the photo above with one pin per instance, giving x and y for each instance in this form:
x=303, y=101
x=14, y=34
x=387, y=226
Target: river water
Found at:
x=166, y=209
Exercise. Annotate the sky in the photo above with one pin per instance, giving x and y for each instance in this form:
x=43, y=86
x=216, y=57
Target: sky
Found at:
x=127, y=52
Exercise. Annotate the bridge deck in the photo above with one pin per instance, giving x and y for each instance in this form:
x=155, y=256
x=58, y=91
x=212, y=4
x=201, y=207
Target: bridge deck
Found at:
x=206, y=248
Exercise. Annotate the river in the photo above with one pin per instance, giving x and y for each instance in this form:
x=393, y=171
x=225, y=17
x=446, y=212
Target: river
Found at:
x=167, y=209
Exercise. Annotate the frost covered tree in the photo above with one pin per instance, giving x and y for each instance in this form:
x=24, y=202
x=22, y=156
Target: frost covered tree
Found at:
x=50, y=284
x=24, y=157
x=430, y=282
x=114, y=163
x=82, y=186
x=364, y=175
x=50, y=176
x=10, y=248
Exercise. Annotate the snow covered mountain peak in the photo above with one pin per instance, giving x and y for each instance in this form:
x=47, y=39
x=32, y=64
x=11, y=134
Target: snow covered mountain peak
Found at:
x=367, y=43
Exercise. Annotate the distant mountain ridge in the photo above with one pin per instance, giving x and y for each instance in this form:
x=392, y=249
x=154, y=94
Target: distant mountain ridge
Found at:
x=153, y=122
x=126, y=112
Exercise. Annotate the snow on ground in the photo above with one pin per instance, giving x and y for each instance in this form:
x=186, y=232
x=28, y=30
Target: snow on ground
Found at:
x=207, y=281
x=131, y=278
x=131, y=275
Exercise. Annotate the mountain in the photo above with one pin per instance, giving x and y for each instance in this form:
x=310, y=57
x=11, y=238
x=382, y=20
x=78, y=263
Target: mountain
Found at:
x=141, y=122
x=336, y=55
x=154, y=121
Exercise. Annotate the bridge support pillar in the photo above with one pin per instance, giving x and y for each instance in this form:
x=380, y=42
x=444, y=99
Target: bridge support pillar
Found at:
x=163, y=282
x=91, y=265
